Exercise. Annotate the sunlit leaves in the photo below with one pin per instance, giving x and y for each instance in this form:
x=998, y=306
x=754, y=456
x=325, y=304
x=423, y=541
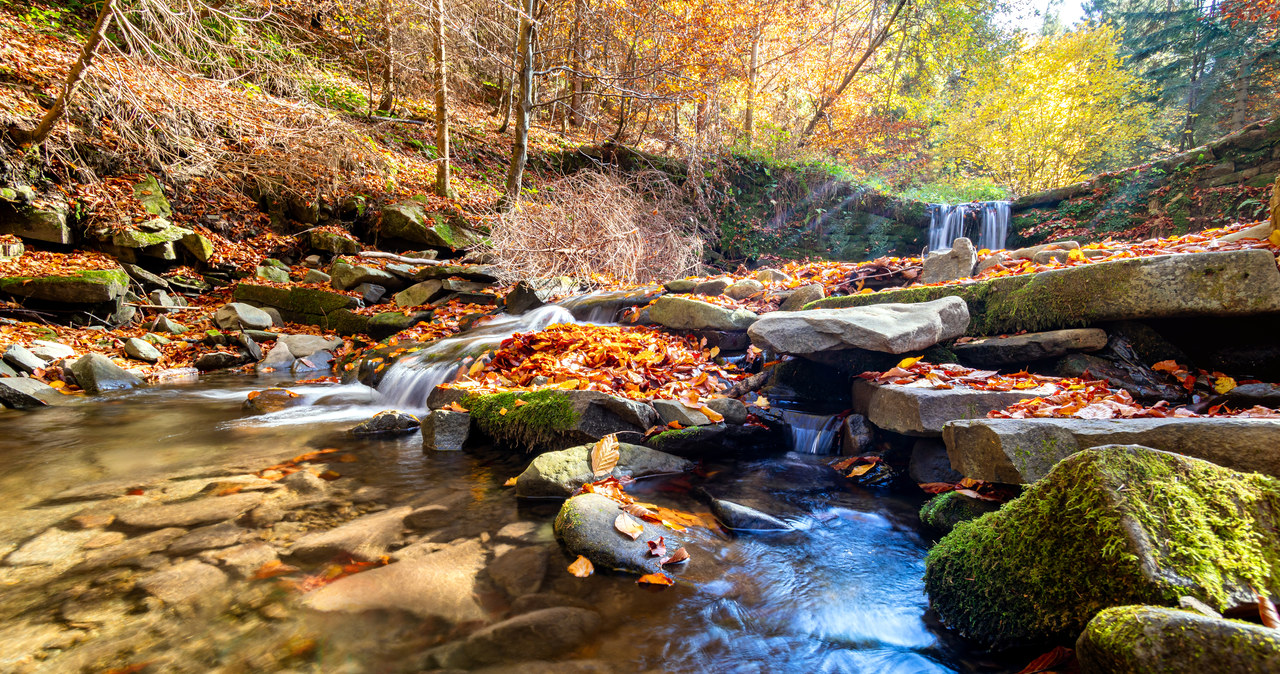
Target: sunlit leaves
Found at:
x=605, y=455
x=628, y=526
x=582, y=567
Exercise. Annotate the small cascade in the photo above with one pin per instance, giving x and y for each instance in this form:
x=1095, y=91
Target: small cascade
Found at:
x=812, y=433
x=947, y=223
x=411, y=379
x=602, y=306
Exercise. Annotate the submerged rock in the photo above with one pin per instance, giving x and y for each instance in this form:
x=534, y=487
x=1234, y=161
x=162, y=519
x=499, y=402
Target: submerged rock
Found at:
x=888, y=328
x=559, y=474
x=539, y=634
x=437, y=585
x=585, y=526
x=445, y=430
x=1109, y=526
x=743, y=518
x=188, y=581
x=364, y=538
x=1156, y=640
x=206, y=510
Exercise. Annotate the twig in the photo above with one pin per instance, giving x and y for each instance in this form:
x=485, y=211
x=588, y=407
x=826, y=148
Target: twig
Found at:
x=400, y=258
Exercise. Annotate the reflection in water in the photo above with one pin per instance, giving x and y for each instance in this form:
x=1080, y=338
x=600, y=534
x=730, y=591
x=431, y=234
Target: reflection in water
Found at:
x=840, y=593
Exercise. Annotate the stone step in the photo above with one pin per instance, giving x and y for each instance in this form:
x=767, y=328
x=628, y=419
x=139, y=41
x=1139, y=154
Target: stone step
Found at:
x=1018, y=451
x=923, y=411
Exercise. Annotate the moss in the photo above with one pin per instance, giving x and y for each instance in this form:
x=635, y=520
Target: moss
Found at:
x=1047, y=562
x=544, y=419
x=136, y=238
x=944, y=511
x=1146, y=638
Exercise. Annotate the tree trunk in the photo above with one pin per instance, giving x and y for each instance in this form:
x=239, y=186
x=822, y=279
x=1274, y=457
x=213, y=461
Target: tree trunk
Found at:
x=1240, y=95
x=753, y=80
x=74, y=77
x=388, y=100
x=509, y=101
x=575, y=81
x=520, y=146
x=442, y=107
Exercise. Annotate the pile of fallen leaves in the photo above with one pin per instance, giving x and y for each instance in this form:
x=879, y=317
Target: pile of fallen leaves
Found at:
x=48, y=263
x=918, y=373
x=633, y=362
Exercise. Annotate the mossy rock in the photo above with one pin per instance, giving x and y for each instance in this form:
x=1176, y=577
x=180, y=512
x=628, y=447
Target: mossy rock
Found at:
x=81, y=287
x=944, y=511
x=295, y=300
x=1109, y=526
x=553, y=419
x=560, y=474
x=151, y=194
x=1155, y=640
x=164, y=232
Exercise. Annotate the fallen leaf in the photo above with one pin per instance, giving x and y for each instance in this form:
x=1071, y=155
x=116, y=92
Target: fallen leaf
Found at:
x=714, y=416
x=329, y=475
x=908, y=362
x=1050, y=661
x=680, y=555
x=1267, y=610
x=1224, y=384
x=582, y=567
x=659, y=579
x=604, y=455
x=658, y=548
x=628, y=526
x=511, y=482
x=272, y=569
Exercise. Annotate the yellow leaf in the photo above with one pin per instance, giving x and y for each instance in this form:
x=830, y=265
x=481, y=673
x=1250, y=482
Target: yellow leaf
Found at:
x=582, y=567
x=860, y=470
x=1077, y=255
x=908, y=362
x=502, y=412
x=711, y=414
x=627, y=525
x=511, y=482
x=604, y=456
x=1274, y=238
x=1224, y=384
x=476, y=368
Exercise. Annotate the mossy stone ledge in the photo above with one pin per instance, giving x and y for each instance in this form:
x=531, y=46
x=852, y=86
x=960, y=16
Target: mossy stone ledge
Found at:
x=553, y=419
x=1109, y=526
x=80, y=287
x=1156, y=640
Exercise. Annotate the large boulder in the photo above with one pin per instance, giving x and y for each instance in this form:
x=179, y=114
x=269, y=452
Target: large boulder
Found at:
x=1025, y=450
x=330, y=310
x=559, y=474
x=944, y=511
x=585, y=526
x=683, y=313
x=241, y=316
x=888, y=328
x=1018, y=349
x=555, y=419
x=409, y=221
x=73, y=287
x=1109, y=526
x=22, y=393
x=1234, y=283
x=1156, y=640
x=47, y=223
x=343, y=276
x=96, y=373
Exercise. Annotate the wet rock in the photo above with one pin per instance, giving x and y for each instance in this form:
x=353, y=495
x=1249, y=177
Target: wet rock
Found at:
x=219, y=360
x=440, y=585
x=520, y=571
x=733, y=411
x=241, y=316
x=305, y=483
x=689, y=314
x=888, y=328
x=995, y=352
x=278, y=359
x=541, y=634
x=524, y=532
x=221, y=535
x=559, y=474
x=712, y=287
x=1109, y=526
x=96, y=373
x=132, y=551
x=320, y=361
x=91, y=520
x=52, y=546
x=190, y=513
x=301, y=346
x=1249, y=395
x=184, y=582
x=21, y=393
x=930, y=463
x=950, y=265
x=51, y=351
x=272, y=400
x=802, y=296
x=445, y=430
x=540, y=600
x=856, y=435
x=241, y=561
x=741, y=290
x=23, y=360
x=1156, y=640
x=523, y=298
x=944, y=511
x=1016, y=451
x=555, y=419
x=388, y=422
x=585, y=526
x=139, y=349
x=922, y=411
x=743, y=518
x=364, y=538
x=671, y=410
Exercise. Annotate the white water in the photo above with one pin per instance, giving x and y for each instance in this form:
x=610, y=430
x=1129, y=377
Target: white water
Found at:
x=946, y=224
x=811, y=433
x=411, y=379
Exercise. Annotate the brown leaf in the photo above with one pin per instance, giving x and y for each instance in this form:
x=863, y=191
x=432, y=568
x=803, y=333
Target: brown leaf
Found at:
x=658, y=548
x=582, y=567
x=1267, y=610
x=680, y=555
x=604, y=456
x=628, y=526
x=1051, y=661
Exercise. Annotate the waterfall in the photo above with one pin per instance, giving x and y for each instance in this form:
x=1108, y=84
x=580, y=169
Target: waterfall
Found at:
x=946, y=224
x=411, y=379
x=812, y=433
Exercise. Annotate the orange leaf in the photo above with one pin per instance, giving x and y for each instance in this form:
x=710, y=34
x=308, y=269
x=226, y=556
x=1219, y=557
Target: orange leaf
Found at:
x=711, y=414
x=628, y=526
x=582, y=567
x=272, y=569
x=658, y=579
x=511, y=482
x=681, y=555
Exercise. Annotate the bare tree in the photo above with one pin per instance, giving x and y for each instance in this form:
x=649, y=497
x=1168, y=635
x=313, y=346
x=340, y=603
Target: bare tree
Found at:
x=524, y=106
x=442, y=106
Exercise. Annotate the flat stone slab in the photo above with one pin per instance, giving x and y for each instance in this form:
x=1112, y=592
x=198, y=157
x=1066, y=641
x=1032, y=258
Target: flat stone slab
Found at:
x=923, y=411
x=205, y=510
x=364, y=538
x=1016, y=451
x=1233, y=283
x=184, y=582
x=887, y=328
x=1030, y=347
x=441, y=584
x=682, y=313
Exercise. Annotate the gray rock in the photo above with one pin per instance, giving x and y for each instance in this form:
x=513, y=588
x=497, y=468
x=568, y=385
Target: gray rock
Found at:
x=205, y=510
x=271, y=400
x=445, y=430
x=52, y=546
x=241, y=316
x=164, y=324
x=96, y=373
x=856, y=435
x=184, y=582
x=40, y=224
x=250, y=347
x=733, y=411
x=670, y=410
x=305, y=483
x=364, y=538
x=19, y=357
x=930, y=463
x=559, y=474
x=132, y=551
x=802, y=296
x=523, y=298
x=320, y=361
x=219, y=360
x=1024, y=450
x=1109, y=526
x=302, y=346
x=585, y=526
x=221, y=535
x=770, y=275
x=519, y=572
x=744, y=518
x=741, y=290
x=889, y=328
x=689, y=314
x=21, y=393
x=371, y=293
x=923, y=411
x=344, y=276
x=950, y=265
x=317, y=277
x=438, y=585
x=388, y=422
x=241, y=561
x=712, y=287
x=944, y=511
x=548, y=633
x=139, y=349
x=273, y=274
x=680, y=286
x=278, y=359
x=1157, y=640
x=51, y=351
x=995, y=352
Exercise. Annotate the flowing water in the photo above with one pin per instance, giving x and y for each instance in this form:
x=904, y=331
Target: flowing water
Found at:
x=947, y=223
x=840, y=593
x=812, y=433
